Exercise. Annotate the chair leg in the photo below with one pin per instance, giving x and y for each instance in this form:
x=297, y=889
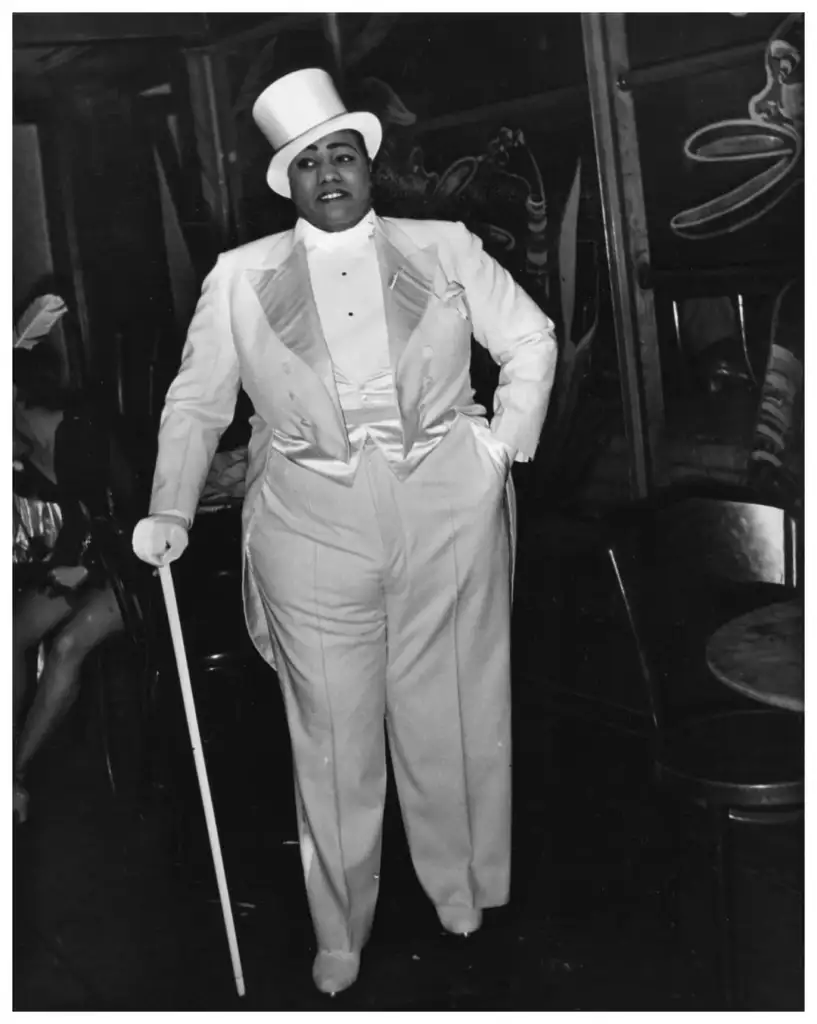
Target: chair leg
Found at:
x=654, y=702
x=719, y=819
x=672, y=886
x=104, y=721
x=569, y=648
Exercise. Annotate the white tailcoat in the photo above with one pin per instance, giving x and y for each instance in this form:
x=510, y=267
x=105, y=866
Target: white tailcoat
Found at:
x=256, y=325
x=384, y=593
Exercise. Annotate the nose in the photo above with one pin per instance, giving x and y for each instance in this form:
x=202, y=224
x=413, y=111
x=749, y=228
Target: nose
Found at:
x=329, y=173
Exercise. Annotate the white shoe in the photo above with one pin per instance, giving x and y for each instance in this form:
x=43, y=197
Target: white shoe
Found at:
x=460, y=920
x=333, y=970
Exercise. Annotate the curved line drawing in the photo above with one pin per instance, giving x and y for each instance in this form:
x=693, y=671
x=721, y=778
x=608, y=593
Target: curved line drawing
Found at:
x=499, y=236
x=730, y=202
x=773, y=131
x=476, y=177
x=742, y=141
x=457, y=176
x=748, y=218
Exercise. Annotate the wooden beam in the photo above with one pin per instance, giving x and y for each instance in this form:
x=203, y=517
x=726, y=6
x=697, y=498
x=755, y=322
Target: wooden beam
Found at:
x=506, y=108
x=625, y=229
x=680, y=280
x=211, y=123
x=69, y=29
x=695, y=65
x=57, y=140
x=195, y=228
x=270, y=27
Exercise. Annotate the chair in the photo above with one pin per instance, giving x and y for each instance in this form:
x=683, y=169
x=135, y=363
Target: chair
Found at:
x=122, y=669
x=119, y=712
x=712, y=558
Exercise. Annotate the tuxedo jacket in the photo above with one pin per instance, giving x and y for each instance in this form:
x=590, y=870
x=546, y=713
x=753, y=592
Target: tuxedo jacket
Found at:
x=256, y=325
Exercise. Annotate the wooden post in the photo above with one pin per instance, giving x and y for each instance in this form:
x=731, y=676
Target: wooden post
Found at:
x=57, y=136
x=332, y=30
x=625, y=227
x=210, y=108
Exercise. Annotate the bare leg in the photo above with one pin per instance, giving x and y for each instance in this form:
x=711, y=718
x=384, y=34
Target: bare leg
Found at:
x=36, y=614
x=97, y=618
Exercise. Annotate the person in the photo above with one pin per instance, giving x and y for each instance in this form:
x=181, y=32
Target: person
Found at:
x=68, y=556
x=376, y=540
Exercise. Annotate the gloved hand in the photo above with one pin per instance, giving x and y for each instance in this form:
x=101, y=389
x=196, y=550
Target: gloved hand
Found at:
x=159, y=540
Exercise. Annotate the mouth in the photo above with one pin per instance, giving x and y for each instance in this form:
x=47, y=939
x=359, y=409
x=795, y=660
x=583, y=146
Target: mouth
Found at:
x=333, y=196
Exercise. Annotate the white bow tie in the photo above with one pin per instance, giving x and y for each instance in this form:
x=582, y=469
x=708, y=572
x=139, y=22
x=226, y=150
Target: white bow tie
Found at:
x=332, y=241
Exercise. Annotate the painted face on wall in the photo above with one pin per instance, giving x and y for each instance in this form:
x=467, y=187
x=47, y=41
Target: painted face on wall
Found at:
x=771, y=136
x=330, y=181
x=781, y=102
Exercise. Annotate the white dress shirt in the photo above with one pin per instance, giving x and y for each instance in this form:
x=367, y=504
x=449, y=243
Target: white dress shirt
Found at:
x=345, y=275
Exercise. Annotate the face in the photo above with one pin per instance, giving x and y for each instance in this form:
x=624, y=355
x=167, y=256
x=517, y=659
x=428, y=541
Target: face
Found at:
x=330, y=182
x=782, y=101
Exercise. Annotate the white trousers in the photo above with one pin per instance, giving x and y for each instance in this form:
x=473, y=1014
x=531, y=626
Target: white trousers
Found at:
x=388, y=604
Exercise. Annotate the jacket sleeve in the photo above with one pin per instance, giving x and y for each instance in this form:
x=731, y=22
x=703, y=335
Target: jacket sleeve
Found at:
x=519, y=336
x=200, y=402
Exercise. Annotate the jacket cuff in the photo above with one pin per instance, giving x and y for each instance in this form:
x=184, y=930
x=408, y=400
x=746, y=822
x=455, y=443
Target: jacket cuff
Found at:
x=172, y=512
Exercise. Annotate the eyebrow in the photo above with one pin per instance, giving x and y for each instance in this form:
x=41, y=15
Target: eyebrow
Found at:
x=334, y=145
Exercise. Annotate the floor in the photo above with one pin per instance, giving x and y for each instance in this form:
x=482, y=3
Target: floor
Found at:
x=115, y=906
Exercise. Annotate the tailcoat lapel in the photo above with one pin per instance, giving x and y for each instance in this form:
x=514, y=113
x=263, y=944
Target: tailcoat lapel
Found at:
x=408, y=284
x=285, y=295
x=408, y=276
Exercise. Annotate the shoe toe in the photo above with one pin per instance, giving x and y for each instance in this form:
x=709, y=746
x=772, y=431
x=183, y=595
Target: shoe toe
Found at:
x=460, y=920
x=334, y=971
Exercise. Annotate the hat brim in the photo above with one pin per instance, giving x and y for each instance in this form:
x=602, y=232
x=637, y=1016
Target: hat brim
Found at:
x=361, y=121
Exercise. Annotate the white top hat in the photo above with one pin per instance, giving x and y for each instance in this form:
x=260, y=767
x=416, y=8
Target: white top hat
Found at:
x=301, y=108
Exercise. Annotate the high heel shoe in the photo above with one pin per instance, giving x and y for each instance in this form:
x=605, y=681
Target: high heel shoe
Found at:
x=20, y=803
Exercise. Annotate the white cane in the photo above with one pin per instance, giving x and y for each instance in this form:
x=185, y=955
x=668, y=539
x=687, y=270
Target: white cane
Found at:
x=201, y=769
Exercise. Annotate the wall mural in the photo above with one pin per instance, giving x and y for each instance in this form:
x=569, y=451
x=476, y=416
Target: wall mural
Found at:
x=772, y=135
x=483, y=183
x=495, y=184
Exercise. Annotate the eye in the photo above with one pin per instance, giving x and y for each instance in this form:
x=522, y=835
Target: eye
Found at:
x=347, y=158
x=305, y=163
x=787, y=65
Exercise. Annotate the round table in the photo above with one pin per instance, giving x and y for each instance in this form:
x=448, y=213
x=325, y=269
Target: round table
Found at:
x=761, y=655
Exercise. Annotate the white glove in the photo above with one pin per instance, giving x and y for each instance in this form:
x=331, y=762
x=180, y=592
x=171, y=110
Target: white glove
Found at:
x=159, y=540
